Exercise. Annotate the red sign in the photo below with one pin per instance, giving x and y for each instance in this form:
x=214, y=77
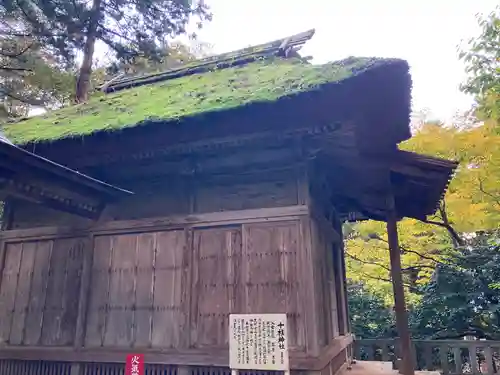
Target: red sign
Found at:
x=134, y=364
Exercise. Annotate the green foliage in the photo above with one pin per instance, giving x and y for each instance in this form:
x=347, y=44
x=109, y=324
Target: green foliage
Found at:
x=370, y=317
x=472, y=204
x=186, y=96
x=463, y=297
x=482, y=59
x=129, y=29
x=175, y=55
x=29, y=78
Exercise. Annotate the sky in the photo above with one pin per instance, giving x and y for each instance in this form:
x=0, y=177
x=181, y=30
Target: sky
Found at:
x=426, y=33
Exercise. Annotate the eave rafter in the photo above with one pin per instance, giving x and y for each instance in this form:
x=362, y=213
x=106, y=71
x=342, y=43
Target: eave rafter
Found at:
x=26, y=176
x=60, y=201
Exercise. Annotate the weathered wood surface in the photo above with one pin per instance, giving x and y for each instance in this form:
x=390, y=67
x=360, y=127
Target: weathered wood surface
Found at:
x=162, y=194
x=187, y=357
x=38, y=286
x=179, y=289
x=216, y=284
x=449, y=357
x=166, y=285
x=160, y=223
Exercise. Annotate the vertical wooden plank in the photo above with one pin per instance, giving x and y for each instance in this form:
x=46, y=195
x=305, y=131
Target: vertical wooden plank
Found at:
x=488, y=356
x=55, y=290
x=146, y=245
x=34, y=318
x=270, y=274
x=8, y=288
x=3, y=251
x=23, y=293
x=7, y=218
x=385, y=350
x=341, y=291
x=119, y=324
x=473, y=359
x=331, y=290
x=399, y=294
x=216, y=252
x=307, y=287
x=99, y=289
x=457, y=357
x=357, y=350
x=70, y=297
x=170, y=311
x=84, y=293
x=321, y=308
x=427, y=350
x=443, y=354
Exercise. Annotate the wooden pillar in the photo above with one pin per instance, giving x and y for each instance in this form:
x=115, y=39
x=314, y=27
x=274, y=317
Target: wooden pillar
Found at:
x=399, y=295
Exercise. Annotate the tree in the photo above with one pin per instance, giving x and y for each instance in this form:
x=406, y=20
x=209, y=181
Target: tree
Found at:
x=29, y=76
x=472, y=203
x=370, y=317
x=128, y=28
x=174, y=55
x=482, y=59
x=463, y=298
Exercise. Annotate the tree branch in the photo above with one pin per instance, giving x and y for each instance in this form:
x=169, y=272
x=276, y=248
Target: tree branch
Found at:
x=353, y=257
x=16, y=54
x=455, y=237
x=33, y=102
x=12, y=69
x=404, y=249
x=411, y=288
x=492, y=196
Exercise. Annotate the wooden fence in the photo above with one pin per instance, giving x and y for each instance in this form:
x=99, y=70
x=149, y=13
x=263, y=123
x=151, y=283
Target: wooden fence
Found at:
x=450, y=357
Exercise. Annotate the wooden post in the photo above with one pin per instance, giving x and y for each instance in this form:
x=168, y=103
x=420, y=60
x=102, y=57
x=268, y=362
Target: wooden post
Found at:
x=399, y=294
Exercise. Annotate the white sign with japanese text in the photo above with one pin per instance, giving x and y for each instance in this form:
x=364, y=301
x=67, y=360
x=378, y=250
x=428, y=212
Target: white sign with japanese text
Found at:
x=258, y=342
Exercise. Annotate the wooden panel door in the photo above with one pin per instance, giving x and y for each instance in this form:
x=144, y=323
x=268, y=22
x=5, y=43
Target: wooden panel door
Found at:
x=216, y=284
x=271, y=274
x=171, y=290
x=39, y=292
x=139, y=291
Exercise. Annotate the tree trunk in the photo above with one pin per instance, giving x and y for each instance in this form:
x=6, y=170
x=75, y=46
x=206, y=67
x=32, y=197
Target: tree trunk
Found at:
x=83, y=82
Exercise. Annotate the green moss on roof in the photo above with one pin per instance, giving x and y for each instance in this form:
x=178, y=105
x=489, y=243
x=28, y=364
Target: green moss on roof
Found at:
x=186, y=96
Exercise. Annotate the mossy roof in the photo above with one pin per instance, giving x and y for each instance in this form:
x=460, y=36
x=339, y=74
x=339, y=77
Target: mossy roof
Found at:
x=171, y=100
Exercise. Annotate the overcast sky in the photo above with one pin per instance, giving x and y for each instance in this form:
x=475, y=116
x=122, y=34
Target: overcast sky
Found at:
x=424, y=32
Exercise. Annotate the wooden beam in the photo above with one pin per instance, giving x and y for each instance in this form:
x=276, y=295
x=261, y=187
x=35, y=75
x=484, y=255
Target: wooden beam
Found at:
x=162, y=223
x=187, y=357
x=51, y=198
x=399, y=294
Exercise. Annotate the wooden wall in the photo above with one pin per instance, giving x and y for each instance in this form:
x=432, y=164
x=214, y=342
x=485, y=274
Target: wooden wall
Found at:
x=156, y=284
x=169, y=195
x=170, y=288
x=38, y=292
x=178, y=290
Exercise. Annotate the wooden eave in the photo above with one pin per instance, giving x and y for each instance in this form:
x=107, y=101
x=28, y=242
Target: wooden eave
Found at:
x=417, y=182
x=27, y=176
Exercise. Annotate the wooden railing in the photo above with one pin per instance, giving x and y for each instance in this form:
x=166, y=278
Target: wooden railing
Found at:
x=449, y=357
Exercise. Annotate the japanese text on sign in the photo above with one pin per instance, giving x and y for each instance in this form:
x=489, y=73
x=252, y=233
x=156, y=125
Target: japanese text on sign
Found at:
x=258, y=342
x=134, y=364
